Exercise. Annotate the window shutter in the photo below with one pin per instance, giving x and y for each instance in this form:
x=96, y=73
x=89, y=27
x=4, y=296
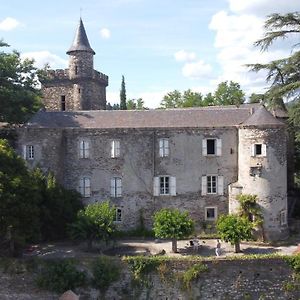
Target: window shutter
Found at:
x=119, y=187
x=87, y=149
x=161, y=148
x=252, y=150
x=173, y=186
x=204, y=185
x=204, y=147
x=166, y=147
x=220, y=185
x=112, y=149
x=112, y=187
x=264, y=150
x=24, y=152
x=117, y=148
x=156, y=186
x=219, y=147
x=81, y=149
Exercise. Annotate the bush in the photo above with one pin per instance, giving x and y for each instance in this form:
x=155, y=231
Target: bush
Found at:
x=105, y=271
x=193, y=273
x=60, y=275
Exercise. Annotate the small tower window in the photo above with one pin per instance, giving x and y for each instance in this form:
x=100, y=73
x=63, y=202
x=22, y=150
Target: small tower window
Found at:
x=258, y=149
x=76, y=70
x=79, y=91
x=63, y=102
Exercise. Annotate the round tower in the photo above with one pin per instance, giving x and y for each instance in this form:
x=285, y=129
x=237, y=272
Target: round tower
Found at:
x=262, y=164
x=81, y=61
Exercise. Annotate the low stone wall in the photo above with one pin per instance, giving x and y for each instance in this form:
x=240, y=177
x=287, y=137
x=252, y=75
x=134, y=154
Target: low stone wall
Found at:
x=224, y=279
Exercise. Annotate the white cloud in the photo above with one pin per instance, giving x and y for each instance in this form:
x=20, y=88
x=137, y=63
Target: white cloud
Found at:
x=184, y=56
x=45, y=57
x=9, y=24
x=196, y=69
x=263, y=7
x=235, y=33
x=105, y=33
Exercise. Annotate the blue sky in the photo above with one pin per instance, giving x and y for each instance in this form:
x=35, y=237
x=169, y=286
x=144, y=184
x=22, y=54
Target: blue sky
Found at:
x=157, y=45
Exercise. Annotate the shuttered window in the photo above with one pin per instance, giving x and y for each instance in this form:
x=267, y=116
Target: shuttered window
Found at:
x=85, y=186
x=212, y=184
x=164, y=185
x=211, y=147
x=116, y=187
x=163, y=147
x=84, y=149
x=115, y=148
x=28, y=152
x=259, y=150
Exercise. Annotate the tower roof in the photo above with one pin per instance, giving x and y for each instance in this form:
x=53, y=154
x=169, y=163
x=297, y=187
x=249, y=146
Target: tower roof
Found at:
x=81, y=42
x=262, y=117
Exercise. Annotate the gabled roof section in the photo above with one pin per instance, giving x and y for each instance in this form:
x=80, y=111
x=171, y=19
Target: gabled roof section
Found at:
x=81, y=42
x=202, y=117
x=262, y=117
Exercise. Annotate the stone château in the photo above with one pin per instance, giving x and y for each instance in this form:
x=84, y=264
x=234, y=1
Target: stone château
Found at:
x=194, y=159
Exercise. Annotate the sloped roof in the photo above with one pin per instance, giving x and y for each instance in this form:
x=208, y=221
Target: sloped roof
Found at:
x=262, y=117
x=81, y=42
x=215, y=116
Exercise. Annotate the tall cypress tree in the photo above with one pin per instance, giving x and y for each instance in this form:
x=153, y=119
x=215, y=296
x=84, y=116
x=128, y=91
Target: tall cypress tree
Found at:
x=123, y=95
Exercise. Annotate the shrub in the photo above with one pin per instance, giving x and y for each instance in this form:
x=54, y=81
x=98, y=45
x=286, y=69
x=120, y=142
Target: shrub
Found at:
x=192, y=274
x=105, y=271
x=60, y=275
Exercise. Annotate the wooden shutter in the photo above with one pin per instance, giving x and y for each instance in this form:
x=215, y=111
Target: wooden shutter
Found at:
x=173, y=186
x=166, y=147
x=112, y=187
x=117, y=148
x=220, y=185
x=86, y=149
x=119, y=187
x=204, y=147
x=156, y=186
x=161, y=147
x=24, y=152
x=204, y=185
x=264, y=150
x=252, y=149
x=219, y=147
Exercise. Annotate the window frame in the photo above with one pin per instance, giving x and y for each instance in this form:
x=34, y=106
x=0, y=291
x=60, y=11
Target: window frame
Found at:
x=118, y=215
x=116, y=187
x=165, y=187
x=263, y=150
x=283, y=217
x=215, y=208
x=217, y=147
x=164, y=147
x=29, y=152
x=84, y=149
x=115, y=148
x=85, y=186
x=211, y=184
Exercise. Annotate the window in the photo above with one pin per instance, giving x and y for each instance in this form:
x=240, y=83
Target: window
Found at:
x=63, y=102
x=79, y=91
x=163, y=147
x=210, y=213
x=259, y=150
x=212, y=184
x=85, y=186
x=76, y=70
x=212, y=147
x=28, y=152
x=164, y=185
x=84, y=149
x=283, y=217
x=118, y=216
x=116, y=187
x=115, y=148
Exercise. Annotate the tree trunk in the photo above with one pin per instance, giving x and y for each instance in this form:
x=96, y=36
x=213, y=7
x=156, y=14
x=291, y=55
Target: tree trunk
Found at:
x=237, y=247
x=174, y=245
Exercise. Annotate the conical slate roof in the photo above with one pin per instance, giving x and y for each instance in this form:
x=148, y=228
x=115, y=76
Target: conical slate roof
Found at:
x=81, y=42
x=262, y=117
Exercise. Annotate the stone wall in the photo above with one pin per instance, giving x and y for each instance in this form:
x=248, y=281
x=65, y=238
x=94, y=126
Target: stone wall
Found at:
x=138, y=164
x=264, y=279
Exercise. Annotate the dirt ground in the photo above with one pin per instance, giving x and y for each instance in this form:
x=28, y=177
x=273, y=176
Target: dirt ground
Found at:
x=205, y=247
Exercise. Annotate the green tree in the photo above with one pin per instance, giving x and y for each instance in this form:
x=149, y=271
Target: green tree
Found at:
x=171, y=100
x=282, y=74
x=191, y=99
x=95, y=221
x=123, y=95
x=58, y=206
x=234, y=229
x=229, y=94
x=19, y=96
x=131, y=104
x=173, y=224
x=19, y=199
x=209, y=100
